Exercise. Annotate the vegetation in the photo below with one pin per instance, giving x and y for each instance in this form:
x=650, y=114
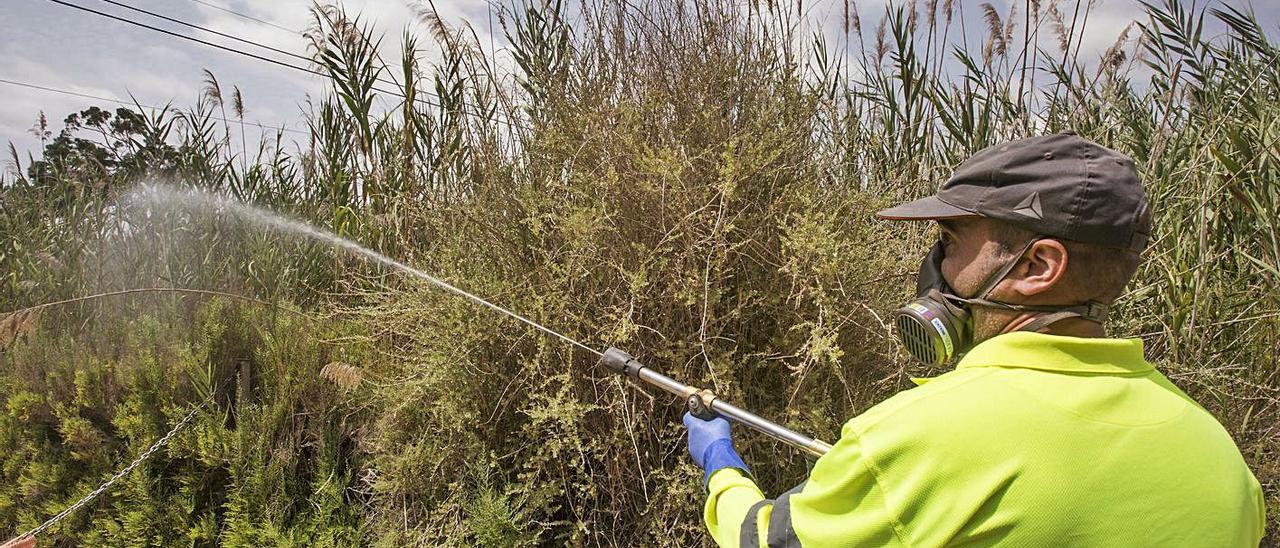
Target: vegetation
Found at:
x=691, y=181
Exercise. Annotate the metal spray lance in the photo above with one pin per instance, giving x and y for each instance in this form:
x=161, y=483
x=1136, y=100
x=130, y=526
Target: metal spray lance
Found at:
x=705, y=405
x=702, y=403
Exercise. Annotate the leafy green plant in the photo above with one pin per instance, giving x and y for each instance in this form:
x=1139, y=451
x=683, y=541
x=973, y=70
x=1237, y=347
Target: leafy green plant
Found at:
x=693, y=182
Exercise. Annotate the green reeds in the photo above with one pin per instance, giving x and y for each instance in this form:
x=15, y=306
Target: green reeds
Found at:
x=693, y=181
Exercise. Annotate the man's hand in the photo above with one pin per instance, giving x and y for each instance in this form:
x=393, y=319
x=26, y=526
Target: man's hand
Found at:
x=711, y=446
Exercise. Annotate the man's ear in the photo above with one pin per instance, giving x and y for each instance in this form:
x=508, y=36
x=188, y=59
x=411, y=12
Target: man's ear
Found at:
x=1041, y=268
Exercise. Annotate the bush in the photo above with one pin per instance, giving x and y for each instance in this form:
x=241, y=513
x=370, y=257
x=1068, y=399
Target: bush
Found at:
x=270, y=461
x=682, y=181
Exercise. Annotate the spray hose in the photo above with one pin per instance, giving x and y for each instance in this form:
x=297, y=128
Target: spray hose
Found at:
x=705, y=405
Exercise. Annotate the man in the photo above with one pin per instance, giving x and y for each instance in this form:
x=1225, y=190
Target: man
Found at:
x=1046, y=433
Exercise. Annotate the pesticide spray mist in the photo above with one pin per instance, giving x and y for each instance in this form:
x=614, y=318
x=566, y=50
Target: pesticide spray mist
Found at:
x=158, y=196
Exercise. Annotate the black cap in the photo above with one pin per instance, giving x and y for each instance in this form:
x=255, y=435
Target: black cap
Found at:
x=1057, y=185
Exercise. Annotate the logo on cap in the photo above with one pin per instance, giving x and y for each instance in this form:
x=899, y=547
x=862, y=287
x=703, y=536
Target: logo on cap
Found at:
x=1030, y=207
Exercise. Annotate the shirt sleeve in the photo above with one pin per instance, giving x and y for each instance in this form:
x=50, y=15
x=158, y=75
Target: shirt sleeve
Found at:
x=1262, y=510
x=733, y=496
x=840, y=504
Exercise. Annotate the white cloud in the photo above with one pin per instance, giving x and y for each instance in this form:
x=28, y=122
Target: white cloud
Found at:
x=21, y=107
x=91, y=55
x=52, y=45
x=1104, y=26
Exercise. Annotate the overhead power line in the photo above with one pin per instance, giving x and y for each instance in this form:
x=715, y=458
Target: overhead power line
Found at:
x=206, y=29
x=244, y=16
x=241, y=52
x=126, y=103
x=222, y=47
x=249, y=42
x=185, y=37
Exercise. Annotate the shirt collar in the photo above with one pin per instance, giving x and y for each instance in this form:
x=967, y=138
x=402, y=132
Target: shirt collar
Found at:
x=1072, y=355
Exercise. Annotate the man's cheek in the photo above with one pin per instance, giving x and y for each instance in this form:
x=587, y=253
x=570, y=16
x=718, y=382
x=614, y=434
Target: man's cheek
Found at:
x=959, y=276
x=951, y=274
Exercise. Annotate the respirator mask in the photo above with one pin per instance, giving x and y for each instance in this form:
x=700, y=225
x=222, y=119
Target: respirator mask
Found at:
x=938, y=325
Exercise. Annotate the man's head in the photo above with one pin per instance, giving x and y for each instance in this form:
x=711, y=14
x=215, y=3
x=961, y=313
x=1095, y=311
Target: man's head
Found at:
x=1033, y=233
x=1052, y=271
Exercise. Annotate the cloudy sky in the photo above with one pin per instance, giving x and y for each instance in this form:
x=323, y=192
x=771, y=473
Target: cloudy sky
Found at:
x=46, y=44
x=55, y=46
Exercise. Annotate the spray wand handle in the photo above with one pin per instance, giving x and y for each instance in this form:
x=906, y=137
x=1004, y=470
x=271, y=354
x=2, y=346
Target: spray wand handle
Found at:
x=704, y=404
x=698, y=405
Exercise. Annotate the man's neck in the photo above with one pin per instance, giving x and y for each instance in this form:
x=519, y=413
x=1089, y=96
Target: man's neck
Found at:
x=1069, y=327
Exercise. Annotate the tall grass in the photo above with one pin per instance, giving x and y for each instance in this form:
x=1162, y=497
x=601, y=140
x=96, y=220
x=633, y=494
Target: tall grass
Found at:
x=693, y=182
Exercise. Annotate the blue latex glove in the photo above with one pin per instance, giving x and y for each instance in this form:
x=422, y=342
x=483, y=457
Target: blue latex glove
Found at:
x=711, y=446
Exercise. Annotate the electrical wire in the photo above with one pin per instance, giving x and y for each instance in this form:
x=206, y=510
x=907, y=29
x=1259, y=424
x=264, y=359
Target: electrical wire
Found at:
x=219, y=46
x=248, y=42
x=244, y=16
x=206, y=29
x=126, y=103
x=191, y=38
x=245, y=53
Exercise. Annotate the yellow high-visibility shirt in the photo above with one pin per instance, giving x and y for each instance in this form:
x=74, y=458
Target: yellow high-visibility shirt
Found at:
x=1033, y=440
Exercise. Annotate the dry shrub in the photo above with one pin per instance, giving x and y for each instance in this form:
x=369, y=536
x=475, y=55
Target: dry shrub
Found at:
x=673, y=199
x=690, y=181
x=18, y=324
x=344, y=376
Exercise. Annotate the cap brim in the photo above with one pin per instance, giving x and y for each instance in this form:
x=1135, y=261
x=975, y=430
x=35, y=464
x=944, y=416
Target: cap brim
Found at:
x=924, y=209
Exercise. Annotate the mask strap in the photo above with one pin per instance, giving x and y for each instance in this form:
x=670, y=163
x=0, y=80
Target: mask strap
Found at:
x=1093, y=311
x=1034, y=326
x=996, y=277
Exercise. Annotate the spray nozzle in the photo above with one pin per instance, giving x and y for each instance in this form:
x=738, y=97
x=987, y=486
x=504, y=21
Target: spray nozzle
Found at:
x=622, y=362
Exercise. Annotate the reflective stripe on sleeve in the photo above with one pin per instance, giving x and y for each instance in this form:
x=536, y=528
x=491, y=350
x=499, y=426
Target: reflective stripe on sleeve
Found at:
x=749, y=535
x=780, y=533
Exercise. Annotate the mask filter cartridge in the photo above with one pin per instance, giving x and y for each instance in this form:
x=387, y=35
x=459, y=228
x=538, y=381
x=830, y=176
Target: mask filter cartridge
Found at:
x=931, y=329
